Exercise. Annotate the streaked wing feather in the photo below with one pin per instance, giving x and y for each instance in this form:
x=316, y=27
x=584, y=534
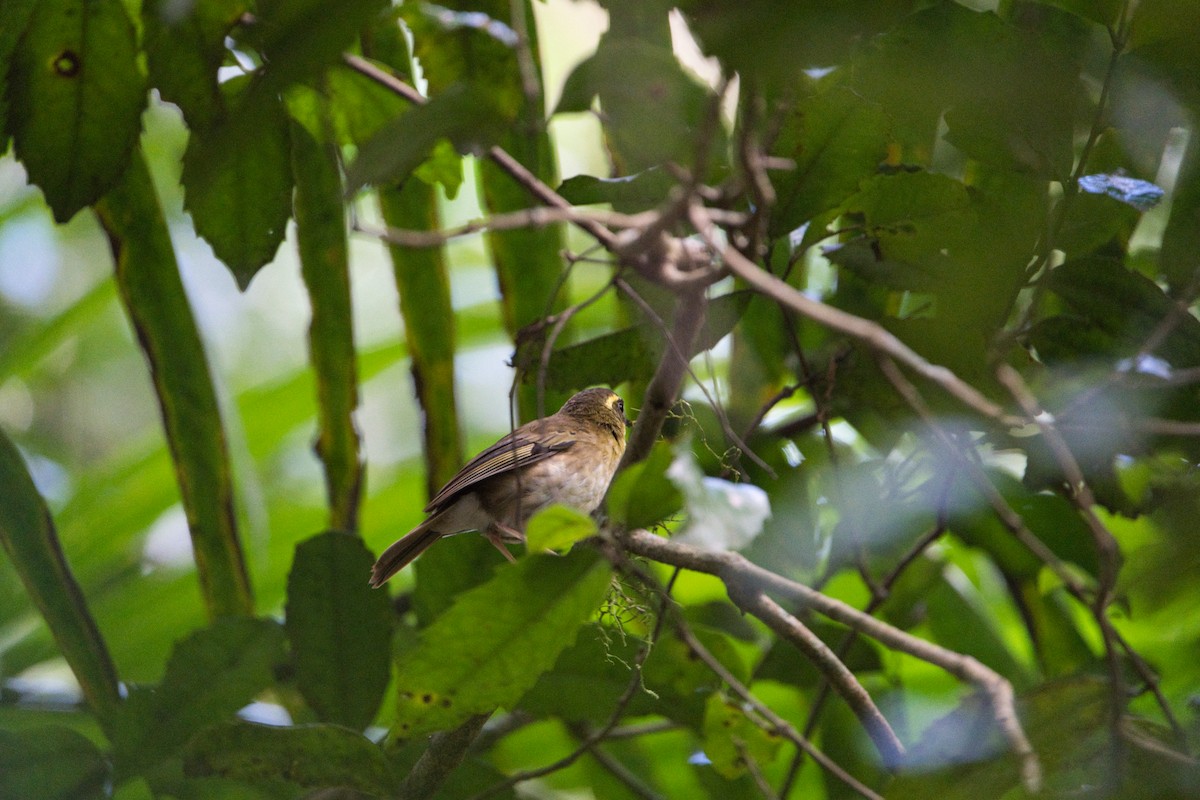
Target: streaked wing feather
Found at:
x=513, y=452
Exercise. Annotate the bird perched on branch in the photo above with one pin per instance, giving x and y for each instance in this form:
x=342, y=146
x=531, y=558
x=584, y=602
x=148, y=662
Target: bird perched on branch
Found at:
x=568, y=457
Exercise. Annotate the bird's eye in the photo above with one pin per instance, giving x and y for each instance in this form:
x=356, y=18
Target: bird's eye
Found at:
x=621, y=406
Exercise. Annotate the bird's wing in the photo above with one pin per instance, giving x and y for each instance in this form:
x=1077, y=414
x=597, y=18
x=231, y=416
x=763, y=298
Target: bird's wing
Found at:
x=517, y=450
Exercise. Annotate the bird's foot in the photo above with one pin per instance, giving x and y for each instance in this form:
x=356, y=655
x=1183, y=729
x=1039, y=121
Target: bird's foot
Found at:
x=498, y=535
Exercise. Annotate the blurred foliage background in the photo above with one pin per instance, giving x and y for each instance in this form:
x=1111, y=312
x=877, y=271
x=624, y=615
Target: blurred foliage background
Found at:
x=236, y=356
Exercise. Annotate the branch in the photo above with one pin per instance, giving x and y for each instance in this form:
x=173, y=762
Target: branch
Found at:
x=826, y=661
x=740, y=575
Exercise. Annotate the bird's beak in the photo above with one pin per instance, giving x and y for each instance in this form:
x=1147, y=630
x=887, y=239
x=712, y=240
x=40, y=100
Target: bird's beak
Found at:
x=628, y=422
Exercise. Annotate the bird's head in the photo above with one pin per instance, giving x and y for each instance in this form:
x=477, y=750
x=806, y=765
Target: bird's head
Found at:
x=598, y=406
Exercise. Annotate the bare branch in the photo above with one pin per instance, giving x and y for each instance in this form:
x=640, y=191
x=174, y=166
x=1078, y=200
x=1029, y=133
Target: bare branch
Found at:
x=827, y=662
x=537, y=217
x=743, y=576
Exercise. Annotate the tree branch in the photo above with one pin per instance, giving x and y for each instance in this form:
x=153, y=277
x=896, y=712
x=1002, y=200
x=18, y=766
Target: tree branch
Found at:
x=743, y=576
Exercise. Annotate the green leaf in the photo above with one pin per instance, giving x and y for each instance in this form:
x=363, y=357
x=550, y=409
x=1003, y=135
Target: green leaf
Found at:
x=1005, y=93
x=491, y=646
x=1181, y=239
x=76, y=100
x=631, y=75
x=152, y=291
x=642, y=495
x=309, y=756
x=1127, y=306
x=339, y=629
x=211, y=674
x=185, y=50
x=558, y=527
x=731, y=738
x=589, y=677
x=837, y=140
x=469, y=118
x=28, y=536
x=631, y=193
x=51, y=763
x=324, y=265
x=623, y=355
x=237, y=180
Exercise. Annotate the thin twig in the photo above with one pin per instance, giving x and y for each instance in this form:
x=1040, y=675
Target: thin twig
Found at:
x=536, y=217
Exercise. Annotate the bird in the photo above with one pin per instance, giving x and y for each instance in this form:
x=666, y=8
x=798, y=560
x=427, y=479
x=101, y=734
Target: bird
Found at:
x=569, y=457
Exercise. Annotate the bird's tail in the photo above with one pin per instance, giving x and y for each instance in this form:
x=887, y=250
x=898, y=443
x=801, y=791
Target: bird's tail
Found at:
x=402, y=551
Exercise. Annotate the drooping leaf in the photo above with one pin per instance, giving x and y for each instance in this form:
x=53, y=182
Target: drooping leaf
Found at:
x=339, y=629
x=17, y=14
x=626, y=354
x=423, y=281
x=646, y=189
x=237, y=179
x=76, y=97
x=490, y=647
x=1126, y=306
x=300, y=38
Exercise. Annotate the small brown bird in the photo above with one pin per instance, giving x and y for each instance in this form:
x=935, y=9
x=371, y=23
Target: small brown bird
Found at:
x=567, y=458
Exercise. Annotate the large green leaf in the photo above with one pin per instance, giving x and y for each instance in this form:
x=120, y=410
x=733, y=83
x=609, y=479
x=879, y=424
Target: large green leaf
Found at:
x=1006, y=94
x=76, y=98
x=491, y=646
x=339, y=629
x=1127, y=307
x=151, y=288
